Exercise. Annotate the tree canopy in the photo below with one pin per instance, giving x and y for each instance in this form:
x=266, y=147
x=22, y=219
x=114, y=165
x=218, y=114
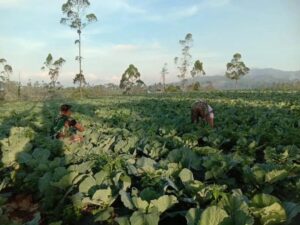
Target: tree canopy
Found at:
x=236, y=68
x=54, y=67
x=76, y=17
x=131, y=78
x=197, y=69
x=6, y=71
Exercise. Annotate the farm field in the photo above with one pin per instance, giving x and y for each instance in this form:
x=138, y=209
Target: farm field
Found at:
x=142, y=162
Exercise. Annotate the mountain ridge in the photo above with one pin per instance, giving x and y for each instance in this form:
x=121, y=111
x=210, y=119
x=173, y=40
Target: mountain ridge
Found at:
x=257, y=77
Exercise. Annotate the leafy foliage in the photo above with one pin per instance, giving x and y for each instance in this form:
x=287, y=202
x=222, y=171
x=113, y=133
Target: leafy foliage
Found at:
x=197, y=69
x=130, y=79
x=142, y=162
x=76, y=17
x=184, y=62
x=7, y=70
x=79, y=78
x=54, y=67
x=236, y=68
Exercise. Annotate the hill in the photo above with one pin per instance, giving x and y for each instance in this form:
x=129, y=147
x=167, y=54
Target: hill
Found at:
x=255, y=79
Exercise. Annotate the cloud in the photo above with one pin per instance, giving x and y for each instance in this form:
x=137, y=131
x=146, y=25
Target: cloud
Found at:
x=124, y=5
x=209, y=55
x=33, y=76
x=129, y=49
x=155, y=45
x=94, y=52
x=66, y=34
x=21, y=43
x=125, y=48
x=187, y=11
x=11, y=3
x=107, y=62
x=217, y=3
x=113, y=6
x=115, y=79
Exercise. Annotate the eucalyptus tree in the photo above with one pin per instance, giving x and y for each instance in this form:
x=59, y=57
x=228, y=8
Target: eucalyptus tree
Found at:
x=164, y=72
x=53, y=67
x=5, y=73
x=77, y=18
x=131, y=78
x=6, y=70
x=197, y=69
x=236, y=68
x=183, y=63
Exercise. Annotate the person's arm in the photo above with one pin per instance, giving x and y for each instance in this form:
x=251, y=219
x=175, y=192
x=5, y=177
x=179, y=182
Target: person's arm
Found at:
x=193, y=116
x=210, y=121
x=79, y=127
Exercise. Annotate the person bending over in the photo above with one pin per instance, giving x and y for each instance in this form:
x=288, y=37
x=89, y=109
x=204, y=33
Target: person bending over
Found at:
x=201, y=109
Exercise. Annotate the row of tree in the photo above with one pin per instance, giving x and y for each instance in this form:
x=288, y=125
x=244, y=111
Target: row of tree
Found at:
x=76, y=17
x=236, y=68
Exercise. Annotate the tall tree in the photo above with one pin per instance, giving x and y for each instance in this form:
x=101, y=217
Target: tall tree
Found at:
x=164, y=72
x=183, y=63
x=53, y=68
x=6, y=71
x=130, y=78
x=78, y=19
x=197, y=69
x=236, y=68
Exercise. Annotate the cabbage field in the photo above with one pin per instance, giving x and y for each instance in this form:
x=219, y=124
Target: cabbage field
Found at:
x=142, y=162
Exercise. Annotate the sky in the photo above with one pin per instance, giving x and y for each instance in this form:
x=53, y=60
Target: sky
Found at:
x=146, y=33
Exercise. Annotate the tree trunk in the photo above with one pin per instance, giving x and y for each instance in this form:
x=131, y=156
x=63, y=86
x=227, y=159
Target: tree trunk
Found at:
x=19, y=87
x=80, y=69
x=182, y=85
x=235, y=84
x=164, y=82
x=79, y=59
x=193, y=85
x=80, y=89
